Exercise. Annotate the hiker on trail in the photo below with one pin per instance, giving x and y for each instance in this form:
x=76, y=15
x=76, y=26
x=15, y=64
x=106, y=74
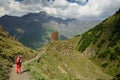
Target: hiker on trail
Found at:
x=18, y=64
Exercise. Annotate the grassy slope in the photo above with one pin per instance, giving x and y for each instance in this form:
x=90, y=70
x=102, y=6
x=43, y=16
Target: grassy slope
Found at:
x=103, y=44
x=62, y=62
x=9, y=49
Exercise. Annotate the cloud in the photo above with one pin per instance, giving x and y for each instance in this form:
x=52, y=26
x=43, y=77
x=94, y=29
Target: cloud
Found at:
x=92, y=9
x=96, y=9
x=2, y=11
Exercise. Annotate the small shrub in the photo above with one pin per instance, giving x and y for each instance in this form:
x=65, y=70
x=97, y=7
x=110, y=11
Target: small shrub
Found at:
x=113, y=56
x=105, y=54
x=101, y=43
x=105, y=64
x=117, y=50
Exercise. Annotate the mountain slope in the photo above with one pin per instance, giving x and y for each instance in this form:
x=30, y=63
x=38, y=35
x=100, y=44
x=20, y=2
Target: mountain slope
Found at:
x=102, y=44
x=9, y=49
x=22, y=28
x=33, y=29
x=61, y=62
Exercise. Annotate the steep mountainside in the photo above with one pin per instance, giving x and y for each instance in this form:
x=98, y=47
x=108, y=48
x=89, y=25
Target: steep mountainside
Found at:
x=26, y=30
x=61, y=62
x=33, y=29
x=29, y=29
x=102, y=44
x=9, y=49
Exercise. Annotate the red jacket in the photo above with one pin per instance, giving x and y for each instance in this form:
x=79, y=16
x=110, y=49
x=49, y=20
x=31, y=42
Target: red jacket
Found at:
x=18, y=62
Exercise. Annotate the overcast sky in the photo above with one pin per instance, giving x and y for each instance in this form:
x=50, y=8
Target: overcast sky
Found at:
x=81, y=9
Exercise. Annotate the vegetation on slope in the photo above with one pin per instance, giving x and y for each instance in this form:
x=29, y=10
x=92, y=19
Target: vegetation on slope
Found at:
x=61, y=62
x=9, y=49
x=103, y=44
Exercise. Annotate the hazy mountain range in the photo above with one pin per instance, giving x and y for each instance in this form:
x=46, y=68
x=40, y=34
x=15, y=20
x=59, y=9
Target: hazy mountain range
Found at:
x=34, y=29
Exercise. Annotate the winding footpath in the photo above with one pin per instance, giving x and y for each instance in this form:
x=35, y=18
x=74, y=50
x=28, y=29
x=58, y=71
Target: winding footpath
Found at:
x=25, y=75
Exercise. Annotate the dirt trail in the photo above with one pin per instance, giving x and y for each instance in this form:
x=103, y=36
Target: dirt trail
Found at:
x=24, y=72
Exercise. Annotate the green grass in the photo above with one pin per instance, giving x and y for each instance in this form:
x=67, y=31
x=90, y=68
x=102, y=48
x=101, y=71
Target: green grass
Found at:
x=103, y=42
x=62, y=62
x=9, y=49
